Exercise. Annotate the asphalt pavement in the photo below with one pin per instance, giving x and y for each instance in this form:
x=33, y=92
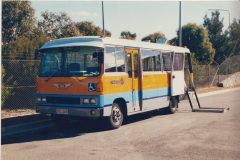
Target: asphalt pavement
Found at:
x=155, y=135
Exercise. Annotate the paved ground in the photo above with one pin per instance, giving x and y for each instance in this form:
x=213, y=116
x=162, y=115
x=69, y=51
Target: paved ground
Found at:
x=184, y=135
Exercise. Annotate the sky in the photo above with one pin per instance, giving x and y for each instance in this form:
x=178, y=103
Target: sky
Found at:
x=140, y=17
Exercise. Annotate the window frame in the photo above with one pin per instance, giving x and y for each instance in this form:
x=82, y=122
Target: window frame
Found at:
x=115, y=61
x=155, y=60
x=171, y=53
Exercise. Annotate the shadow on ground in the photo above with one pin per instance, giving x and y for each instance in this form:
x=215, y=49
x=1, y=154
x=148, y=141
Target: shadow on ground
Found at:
x=76, y=127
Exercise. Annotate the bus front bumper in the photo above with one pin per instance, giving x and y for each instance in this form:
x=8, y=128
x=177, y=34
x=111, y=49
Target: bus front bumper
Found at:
x=82, y=112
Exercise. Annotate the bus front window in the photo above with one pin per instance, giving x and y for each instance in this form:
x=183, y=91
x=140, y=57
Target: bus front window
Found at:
x=71, y=61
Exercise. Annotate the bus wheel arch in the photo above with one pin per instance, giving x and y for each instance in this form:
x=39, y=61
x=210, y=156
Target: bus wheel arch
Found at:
x=118, y=113
x=123, y=105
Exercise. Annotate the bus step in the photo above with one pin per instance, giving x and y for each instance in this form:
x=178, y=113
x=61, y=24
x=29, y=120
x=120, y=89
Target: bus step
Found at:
x=211, y=110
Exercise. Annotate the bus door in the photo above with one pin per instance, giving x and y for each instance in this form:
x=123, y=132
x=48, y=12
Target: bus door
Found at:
x=134, y=73
x=177, y=75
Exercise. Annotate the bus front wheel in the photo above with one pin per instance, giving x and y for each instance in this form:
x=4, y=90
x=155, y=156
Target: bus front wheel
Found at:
x=116, y=118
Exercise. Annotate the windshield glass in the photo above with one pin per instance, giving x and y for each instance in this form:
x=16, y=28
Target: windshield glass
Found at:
x=71, y=61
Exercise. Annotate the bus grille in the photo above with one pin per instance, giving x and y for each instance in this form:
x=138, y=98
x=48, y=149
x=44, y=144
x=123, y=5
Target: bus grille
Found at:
x=63, y=100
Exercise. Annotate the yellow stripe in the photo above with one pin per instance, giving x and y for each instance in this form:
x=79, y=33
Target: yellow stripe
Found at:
x=108, y=84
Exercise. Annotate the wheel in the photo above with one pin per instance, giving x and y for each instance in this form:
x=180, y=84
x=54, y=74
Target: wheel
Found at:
x=116, y=118
x=173, y=105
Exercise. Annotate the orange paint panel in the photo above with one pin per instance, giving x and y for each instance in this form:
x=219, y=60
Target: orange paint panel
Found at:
x=107, y=84
x=66, y=85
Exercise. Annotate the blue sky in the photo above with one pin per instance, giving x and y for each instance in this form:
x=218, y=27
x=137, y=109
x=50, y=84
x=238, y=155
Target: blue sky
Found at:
x=140, y=17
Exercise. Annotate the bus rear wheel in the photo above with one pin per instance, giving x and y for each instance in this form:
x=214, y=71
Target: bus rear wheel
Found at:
x=173, y=105
x=116, y=118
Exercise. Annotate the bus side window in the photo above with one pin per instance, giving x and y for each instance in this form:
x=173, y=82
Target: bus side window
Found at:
x=151, y=60
x=129, y=64
x=120, y=59
x=167, y=61
x=110, y=65
x=135, y=65
x=178, y=61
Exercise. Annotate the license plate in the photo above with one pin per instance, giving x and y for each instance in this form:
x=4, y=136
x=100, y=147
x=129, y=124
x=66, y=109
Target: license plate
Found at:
x=61, y=111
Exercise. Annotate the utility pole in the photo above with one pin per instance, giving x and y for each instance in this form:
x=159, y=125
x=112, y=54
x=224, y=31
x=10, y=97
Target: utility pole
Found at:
x=103, y=19
x=180, y=23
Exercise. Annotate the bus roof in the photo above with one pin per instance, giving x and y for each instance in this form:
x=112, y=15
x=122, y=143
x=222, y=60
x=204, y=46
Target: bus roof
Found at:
x=101, y=42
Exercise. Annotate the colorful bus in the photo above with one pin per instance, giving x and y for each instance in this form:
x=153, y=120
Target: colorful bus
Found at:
x=108, y=78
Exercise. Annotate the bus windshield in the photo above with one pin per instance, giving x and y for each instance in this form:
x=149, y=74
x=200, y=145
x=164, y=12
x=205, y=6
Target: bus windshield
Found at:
x=71, y=61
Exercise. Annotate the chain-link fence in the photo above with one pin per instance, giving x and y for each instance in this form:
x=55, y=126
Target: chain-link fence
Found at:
x=18, y=90
x=213, y=75
x=18, y=84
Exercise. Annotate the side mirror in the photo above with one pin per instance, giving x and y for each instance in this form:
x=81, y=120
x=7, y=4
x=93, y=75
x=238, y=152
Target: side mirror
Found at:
x=36, y=53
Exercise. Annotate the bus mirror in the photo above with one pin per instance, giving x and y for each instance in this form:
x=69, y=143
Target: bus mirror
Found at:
x=36, y=53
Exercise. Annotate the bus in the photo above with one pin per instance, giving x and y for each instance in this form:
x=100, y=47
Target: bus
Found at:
x=108, y=78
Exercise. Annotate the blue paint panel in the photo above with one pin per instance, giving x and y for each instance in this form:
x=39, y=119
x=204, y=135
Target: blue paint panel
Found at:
x=160, y=92
x=107, y=99
x=147, y=94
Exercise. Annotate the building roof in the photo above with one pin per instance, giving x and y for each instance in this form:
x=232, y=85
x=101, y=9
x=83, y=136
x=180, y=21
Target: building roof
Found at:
x=100, y=42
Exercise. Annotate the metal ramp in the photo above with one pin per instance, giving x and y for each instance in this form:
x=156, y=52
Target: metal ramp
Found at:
x=200, y=108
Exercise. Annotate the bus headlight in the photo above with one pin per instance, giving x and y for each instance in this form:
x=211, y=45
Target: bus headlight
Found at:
x=86, y=100
x=93, y=100
x=39, y=99
x=44, y=99
x=89, y=101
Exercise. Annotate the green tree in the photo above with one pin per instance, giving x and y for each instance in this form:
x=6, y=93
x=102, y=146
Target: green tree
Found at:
x=89, y=29
x=153, y=37
x=128, y=35
x=218, y=38
x=234, y=37
x=23, y=47
x=196, y=39
x=17, y=19
x=58, y=25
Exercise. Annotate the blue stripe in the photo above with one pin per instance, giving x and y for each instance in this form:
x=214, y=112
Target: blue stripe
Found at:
x=107, y=99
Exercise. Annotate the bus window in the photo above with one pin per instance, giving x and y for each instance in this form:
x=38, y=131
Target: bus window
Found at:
x=135, y=65
x=178, y=61
x=110, y=65
x=120, y=59
x=151, y=60
x=158, y=62
x=129, y=65
x=167, y=61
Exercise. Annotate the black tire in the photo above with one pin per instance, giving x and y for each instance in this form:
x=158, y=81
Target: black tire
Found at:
x=173, y=105
x=115, y=120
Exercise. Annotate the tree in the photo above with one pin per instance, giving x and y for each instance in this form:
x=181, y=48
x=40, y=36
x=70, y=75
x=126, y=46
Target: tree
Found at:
x=58, y=25
x=234, y=37
x=89, y=29
x=128, y=35
x=196, y=39
x=17, y=19
x=218, y=38
x=153, y=37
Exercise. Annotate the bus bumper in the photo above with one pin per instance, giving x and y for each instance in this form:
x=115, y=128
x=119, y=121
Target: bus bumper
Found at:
x=82, y=112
